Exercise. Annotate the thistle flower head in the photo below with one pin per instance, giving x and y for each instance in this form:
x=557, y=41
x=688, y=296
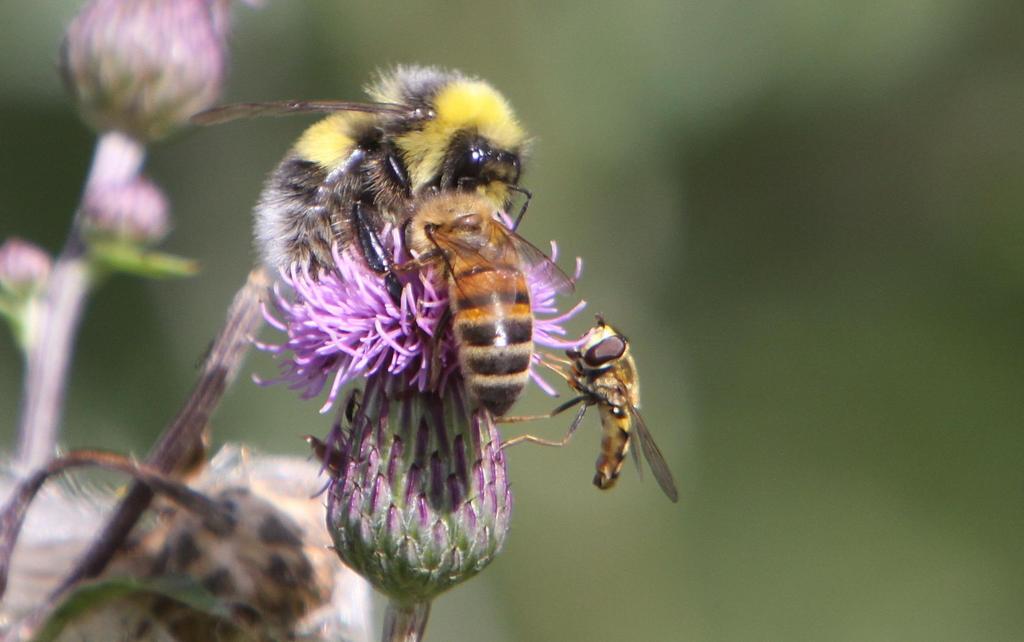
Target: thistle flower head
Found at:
x=143, y=67
x=343, y=325
x=420, y=498
x=24, y=266
x=134, y=211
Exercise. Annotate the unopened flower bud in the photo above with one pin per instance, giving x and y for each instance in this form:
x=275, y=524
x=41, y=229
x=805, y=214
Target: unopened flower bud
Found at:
x=24, y=266
x=144, y=66
x=134, y=211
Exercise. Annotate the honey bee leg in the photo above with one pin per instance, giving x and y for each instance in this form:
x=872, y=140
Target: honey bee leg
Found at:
x=355, y=399
x=376, y=255
x=435, y=347
x=420, y=261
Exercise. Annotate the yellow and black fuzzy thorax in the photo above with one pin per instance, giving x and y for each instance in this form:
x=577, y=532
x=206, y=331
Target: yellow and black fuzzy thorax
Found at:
x=357, y=168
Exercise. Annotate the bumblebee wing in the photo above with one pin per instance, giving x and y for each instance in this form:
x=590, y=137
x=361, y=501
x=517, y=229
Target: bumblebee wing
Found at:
x=227, y=113
x=539, y=265
x=653, y=455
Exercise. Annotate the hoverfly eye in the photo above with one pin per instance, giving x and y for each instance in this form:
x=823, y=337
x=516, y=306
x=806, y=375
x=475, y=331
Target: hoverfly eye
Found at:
x=605, y=351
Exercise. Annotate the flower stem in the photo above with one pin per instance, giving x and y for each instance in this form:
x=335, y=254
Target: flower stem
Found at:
x=182, y=435
x=404, y=622
x=48, y=353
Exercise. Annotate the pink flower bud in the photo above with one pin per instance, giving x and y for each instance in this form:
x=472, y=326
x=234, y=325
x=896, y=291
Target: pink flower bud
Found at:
x=24, y=266
x=144, y=66
x=135, y=211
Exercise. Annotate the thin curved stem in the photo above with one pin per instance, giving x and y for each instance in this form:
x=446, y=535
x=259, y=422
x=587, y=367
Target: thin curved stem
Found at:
x=116, y=159
x=183, y=434
x=405, y=622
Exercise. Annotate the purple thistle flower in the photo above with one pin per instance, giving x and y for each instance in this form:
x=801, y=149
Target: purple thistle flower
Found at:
x=420, y=499
x=343, y=325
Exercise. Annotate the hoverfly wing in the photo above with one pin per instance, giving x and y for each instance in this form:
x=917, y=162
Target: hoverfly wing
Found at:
x=653, y=455
x=235, y=111
x=635, y=452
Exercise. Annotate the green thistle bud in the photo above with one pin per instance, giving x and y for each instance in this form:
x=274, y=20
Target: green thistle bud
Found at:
x=421, y=501
x=143, y=67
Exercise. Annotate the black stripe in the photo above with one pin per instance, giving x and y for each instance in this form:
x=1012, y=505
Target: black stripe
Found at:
x=498, y=362
x=496, y=397
x=484, y=333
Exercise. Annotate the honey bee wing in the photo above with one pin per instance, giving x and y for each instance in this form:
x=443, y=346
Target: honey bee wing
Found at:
x=234, y=111
x=540, y=267
x=653, y=455
x=455, y=250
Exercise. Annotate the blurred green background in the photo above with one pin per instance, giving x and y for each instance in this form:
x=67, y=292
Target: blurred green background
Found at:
x=808, y=218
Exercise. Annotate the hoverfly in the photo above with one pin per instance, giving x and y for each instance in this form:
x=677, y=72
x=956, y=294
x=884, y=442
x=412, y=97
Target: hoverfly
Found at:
x=604, y=374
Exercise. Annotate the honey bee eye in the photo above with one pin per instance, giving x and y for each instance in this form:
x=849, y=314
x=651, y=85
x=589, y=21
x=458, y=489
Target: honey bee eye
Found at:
x=605, y=351
x=467, y=223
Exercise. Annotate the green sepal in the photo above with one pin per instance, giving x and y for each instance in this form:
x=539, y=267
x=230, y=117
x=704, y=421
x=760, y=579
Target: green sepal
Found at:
x=13, y=310
x=96, y=595
x=127, y=258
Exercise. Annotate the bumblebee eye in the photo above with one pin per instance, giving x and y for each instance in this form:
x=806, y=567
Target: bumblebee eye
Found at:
x=605, y=351
x=469, y=164
x=505, y=167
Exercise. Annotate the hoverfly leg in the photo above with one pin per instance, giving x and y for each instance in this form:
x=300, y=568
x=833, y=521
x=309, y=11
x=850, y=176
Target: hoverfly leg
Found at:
x=555, y=365
x=547, y=442
x=375, y=253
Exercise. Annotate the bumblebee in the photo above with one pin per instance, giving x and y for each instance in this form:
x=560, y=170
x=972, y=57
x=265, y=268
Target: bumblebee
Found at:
x=360, y=168
x=604, y=374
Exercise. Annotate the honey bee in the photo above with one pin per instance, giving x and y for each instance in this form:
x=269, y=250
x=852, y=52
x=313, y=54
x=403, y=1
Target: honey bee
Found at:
x=360, y=167
x=247, y=529
x=489, y=297
x=604, y=374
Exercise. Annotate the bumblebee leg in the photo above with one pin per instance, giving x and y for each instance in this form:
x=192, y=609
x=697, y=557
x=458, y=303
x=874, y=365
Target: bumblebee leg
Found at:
x=376, y=255
x=522, y=212
x=546, y=442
